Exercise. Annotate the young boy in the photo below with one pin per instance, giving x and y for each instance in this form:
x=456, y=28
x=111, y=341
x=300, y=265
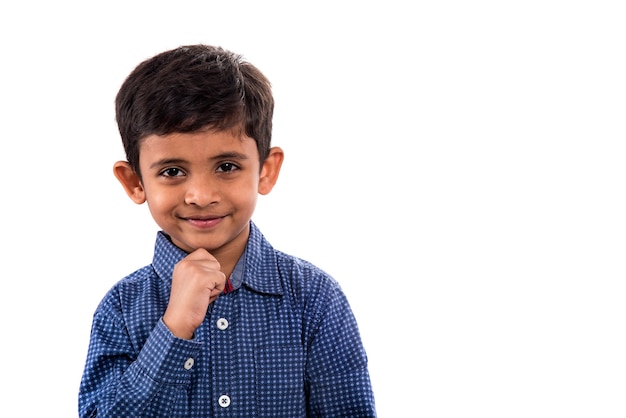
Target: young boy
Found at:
x=221, y=323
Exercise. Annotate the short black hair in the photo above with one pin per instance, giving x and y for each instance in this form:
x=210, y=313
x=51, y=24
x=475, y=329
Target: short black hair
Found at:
x=191, y=88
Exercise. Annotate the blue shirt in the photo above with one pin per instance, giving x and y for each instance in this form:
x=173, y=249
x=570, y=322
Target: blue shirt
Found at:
x=283, y=343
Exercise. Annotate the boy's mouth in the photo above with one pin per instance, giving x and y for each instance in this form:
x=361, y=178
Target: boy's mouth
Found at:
x=203, y=221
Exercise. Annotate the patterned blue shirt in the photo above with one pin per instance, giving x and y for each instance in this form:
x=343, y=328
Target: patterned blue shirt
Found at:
x=283, y=343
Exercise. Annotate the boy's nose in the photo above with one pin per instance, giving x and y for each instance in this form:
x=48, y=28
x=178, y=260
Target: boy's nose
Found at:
x=201, y=192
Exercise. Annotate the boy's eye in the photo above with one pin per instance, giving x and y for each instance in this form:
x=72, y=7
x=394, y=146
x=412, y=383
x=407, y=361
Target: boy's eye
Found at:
x=172, y=172
x=227, y=167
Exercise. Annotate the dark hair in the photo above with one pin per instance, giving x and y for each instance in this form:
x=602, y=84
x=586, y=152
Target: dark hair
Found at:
x=190, y=88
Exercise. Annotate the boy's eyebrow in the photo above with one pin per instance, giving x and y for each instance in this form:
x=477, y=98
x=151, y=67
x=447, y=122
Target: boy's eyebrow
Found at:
x=231, y=154
x=166, y=161
x=225, y=155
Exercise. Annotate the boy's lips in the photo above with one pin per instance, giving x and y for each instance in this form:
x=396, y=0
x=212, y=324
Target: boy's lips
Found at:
x=203, y=221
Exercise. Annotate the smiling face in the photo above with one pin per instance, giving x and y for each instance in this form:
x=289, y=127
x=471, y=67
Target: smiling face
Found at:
x=202, y=187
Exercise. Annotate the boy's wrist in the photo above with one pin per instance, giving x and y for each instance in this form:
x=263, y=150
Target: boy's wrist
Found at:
x=177, y=330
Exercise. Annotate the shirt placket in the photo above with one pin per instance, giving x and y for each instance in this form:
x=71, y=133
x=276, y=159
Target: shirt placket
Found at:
x=221, y=327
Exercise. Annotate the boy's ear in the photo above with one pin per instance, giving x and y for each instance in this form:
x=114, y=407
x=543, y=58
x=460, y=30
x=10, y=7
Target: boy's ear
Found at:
x=270, y=170
x=130, y=180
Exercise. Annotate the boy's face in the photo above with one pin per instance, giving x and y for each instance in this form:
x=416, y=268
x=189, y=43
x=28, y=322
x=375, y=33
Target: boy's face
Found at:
x=202, y=187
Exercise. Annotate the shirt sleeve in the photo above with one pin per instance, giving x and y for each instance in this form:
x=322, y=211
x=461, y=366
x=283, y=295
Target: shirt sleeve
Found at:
x=118, y=380
x=338, y=377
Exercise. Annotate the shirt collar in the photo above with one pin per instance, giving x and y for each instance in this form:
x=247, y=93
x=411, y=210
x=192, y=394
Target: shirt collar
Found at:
x=261, y=266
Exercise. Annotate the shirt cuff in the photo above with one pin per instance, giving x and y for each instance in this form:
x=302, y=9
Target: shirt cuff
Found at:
x=168, y=359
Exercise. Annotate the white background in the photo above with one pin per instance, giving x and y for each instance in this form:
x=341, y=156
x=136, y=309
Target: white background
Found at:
x=458, y=166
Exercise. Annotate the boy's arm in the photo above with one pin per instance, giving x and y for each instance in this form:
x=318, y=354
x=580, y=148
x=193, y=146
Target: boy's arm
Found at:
x=119, y=382
x=338, y=376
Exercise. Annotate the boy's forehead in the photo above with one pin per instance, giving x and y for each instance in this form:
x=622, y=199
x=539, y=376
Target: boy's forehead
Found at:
x=205, y=141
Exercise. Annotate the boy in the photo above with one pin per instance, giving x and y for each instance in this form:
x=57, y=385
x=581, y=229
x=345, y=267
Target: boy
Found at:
x=220, y=324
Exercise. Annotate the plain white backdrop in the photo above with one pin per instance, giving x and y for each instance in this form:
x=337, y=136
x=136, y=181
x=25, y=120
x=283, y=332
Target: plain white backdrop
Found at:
x=457, y=166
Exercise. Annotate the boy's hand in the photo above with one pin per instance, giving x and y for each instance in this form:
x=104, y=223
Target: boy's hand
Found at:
x=196, y=282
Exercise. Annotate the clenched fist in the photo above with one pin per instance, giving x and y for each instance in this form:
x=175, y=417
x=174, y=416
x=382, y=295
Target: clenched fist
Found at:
x=196, y=282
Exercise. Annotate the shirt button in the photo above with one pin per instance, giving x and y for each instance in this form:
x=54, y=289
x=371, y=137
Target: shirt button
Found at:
x=189, y=363
x=224, y=401
x=222, y=323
